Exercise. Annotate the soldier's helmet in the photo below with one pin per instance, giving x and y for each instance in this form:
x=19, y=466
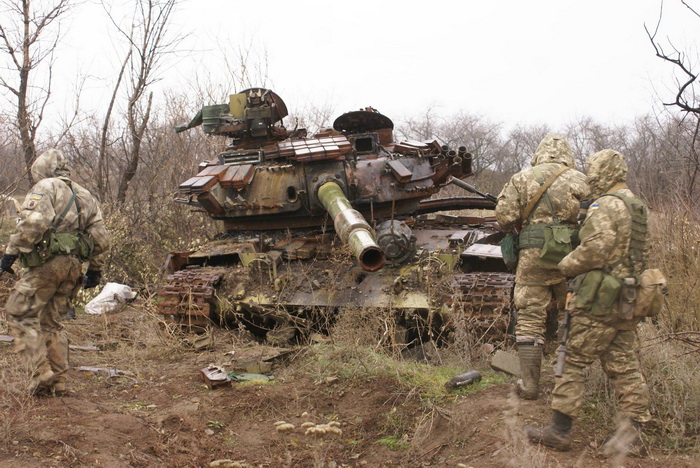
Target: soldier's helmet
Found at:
x=605, y=169
x=553, y=149
x=51, y=163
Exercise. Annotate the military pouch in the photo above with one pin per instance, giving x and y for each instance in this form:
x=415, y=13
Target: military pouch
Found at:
x=71, y=243
x=557, y=244
x=650, y=293
x=79, y=244
x=32, y=259
x=39, y=255
x=509, y=250
x=597, y=292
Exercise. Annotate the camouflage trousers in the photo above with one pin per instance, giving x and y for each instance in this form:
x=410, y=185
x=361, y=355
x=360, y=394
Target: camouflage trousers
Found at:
x=617, y=350
x=531, y=302
x=39, y=298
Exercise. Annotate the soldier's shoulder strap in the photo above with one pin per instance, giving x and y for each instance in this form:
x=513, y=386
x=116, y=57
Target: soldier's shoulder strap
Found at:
x=544, y=185
x=72, y=200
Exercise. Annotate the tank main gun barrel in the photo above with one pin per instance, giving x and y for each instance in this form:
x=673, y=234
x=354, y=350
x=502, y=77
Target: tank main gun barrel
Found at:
x=351, y=226
x=471, y=188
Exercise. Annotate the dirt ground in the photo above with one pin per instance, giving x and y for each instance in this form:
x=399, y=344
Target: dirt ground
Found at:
x=160, y=412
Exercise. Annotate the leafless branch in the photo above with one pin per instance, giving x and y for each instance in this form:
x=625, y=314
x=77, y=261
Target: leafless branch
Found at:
x=681, y=62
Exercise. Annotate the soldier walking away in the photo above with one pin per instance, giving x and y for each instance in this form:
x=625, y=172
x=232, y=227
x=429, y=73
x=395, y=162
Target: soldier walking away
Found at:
x=613, y=251
x=60, y=227
x=542, y=204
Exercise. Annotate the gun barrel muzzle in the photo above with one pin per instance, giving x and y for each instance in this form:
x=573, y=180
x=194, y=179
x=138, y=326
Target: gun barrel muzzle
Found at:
x=351, y=227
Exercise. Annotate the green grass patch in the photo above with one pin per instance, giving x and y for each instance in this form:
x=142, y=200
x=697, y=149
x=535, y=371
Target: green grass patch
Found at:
x=394, y=443
x=362, y=363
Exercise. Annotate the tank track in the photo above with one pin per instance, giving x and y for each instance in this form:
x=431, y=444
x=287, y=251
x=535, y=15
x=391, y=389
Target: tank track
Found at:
x=481, y=301
x=484, y=301
x=189, y=295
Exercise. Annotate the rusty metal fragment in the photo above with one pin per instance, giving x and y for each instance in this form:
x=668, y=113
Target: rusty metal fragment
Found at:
x=214, y=377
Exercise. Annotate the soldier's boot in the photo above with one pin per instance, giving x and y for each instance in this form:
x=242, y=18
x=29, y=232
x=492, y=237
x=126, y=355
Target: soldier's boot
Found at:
x=528, y=385
x=627, y=440
x=557, y=435
x=41, y=383
x=59, y=389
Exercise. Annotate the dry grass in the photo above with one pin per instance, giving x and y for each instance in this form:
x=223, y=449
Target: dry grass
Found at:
x=16, y=403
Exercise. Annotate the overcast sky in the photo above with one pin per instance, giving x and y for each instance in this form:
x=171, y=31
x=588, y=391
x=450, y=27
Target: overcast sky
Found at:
x=513, y=61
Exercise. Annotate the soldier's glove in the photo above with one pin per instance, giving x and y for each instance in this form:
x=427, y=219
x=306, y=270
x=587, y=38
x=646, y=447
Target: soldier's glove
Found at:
x=6, y=263
x=92, y=278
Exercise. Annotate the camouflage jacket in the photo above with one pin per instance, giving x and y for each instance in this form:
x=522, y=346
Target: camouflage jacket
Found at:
x=565, y=195
x=44, y=204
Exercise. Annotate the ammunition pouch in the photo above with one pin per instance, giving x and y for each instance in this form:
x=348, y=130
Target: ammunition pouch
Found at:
x=509, y=250
x=532, y=236
x=559, y=241
x=75, y=243
x=629, y=298
x=555, y=240
x=597, y=292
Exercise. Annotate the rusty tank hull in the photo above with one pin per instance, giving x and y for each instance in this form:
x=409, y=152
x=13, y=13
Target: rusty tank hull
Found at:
x=347, y=218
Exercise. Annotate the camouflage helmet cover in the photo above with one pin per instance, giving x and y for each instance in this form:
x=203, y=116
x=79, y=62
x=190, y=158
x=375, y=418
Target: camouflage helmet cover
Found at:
x=605, y=169
x=553, y=149
x=51, y=163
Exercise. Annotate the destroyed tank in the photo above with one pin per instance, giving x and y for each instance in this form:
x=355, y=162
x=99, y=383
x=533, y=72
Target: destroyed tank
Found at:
x=344, y=219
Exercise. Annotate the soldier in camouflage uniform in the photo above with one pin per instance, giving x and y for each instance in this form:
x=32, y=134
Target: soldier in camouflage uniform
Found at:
x=58, y=206
x=535, y=284
x=605, y=241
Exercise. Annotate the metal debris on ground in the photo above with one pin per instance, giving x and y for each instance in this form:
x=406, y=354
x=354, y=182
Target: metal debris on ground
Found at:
x=506, y=362
x=109, y=371
x=241, y=377
x=214, y=376
x=7, y=338
x=462, y=380
x=256, y=359
x=84, y=348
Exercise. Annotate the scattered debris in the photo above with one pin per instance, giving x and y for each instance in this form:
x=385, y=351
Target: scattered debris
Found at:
x=241, y=377
x=84, y=348
x=256, y=359
x=110, y=372
x=112, y=295
x=462, y=380
x=7, y=338
x=214, y=377
x=200, y=342
x=506, y=362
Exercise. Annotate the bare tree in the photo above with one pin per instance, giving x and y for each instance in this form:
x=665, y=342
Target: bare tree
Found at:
x=29, y=34
x=686, y=98
x=683, y=134
x=518, y=148
x=149, y=41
